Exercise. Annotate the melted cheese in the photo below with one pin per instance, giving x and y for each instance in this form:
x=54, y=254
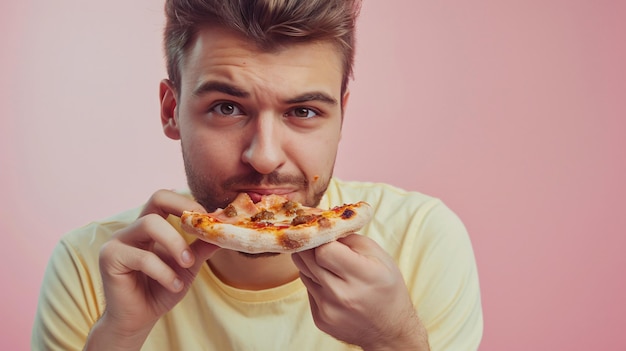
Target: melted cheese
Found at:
x=245, y=209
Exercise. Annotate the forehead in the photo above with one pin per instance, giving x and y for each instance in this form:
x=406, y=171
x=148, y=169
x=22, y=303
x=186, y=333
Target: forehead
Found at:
x=216, y=51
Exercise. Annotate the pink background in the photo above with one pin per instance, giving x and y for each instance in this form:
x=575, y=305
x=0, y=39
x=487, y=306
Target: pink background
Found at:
x=513, y=112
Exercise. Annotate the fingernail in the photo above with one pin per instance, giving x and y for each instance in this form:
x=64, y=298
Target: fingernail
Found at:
x=186, y=257
x=177, y=284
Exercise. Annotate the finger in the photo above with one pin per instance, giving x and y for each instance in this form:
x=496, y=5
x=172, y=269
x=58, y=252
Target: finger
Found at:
x=361, y=244
x=309, y=283
x=314, y=290
x=314, y=308
x=318, y=273
x=166, y=202
x=348, y=256
x=369, y=249
x=118, y=260
x=202, y=252
x=324, y=318
x=302, y=267
x=152, y=230
x=313, y=303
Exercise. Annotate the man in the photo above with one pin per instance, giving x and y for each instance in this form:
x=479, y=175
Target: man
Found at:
x=256, y=95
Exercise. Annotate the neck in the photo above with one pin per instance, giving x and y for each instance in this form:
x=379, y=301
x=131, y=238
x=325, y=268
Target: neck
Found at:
x=253, y=273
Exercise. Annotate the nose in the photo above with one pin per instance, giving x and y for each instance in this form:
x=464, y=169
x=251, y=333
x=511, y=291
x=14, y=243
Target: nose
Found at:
x=265, y=149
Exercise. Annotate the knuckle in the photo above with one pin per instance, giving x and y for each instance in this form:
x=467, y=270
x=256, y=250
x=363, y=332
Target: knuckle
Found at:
x=152, y=229
x=107, y=250
x=349, y=302
x=144, y=259
x=324, y=253
x=156, y=202
x=148, y=222
x=109, y=253
x=159, y=196
x=327, y=316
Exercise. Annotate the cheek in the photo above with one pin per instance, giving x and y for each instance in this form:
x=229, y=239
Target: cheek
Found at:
x=209, y=150
x=316, y=154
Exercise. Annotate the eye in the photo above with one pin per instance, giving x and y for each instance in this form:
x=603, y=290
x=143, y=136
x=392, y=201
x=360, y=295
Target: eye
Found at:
x=227, y=109
x=302, y=112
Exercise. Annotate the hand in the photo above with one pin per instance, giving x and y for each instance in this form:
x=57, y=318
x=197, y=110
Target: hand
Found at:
x=146, y=270
x=357, y=294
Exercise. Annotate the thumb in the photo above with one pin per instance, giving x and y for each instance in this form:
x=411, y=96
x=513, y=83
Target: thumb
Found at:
x=202, y=251
x=360, y=244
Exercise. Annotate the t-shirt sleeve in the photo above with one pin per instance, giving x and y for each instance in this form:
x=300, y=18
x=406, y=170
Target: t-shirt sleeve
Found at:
x=440, y=270
x=68, y=302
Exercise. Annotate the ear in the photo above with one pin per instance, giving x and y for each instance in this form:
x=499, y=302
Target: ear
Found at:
x=169, y=121
x=344, y=104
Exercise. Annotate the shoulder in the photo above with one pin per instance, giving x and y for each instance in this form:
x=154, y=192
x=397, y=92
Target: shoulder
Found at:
x=402, y=218
x=86, y=241
x=375, y=192
x=73, y=263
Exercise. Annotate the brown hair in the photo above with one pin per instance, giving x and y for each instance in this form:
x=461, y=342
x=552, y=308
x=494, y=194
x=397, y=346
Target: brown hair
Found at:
x=268, y=23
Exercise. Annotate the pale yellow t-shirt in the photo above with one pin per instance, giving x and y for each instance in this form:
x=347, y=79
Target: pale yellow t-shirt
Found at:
x=427, y=240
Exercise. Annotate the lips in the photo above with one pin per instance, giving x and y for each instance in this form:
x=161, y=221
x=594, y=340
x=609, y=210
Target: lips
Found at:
x=257, y=194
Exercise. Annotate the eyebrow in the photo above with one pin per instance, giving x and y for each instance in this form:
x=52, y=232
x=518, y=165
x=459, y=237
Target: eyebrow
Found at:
x=233, y=90
x=225, y=88
x=313, y=96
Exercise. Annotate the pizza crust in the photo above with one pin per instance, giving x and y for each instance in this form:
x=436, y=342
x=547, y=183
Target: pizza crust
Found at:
x=265, y=237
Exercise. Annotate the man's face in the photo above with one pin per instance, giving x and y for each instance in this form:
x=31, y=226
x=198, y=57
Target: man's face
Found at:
x=253, y=121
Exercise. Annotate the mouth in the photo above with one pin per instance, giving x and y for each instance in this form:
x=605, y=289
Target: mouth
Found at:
x=256, y=194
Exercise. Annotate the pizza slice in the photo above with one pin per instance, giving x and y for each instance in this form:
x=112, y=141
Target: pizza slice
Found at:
x=274, y=224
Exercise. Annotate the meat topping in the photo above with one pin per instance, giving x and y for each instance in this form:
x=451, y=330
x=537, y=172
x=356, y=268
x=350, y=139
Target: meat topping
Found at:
x=301, y=219
x=230, y=211
x=262, y=216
